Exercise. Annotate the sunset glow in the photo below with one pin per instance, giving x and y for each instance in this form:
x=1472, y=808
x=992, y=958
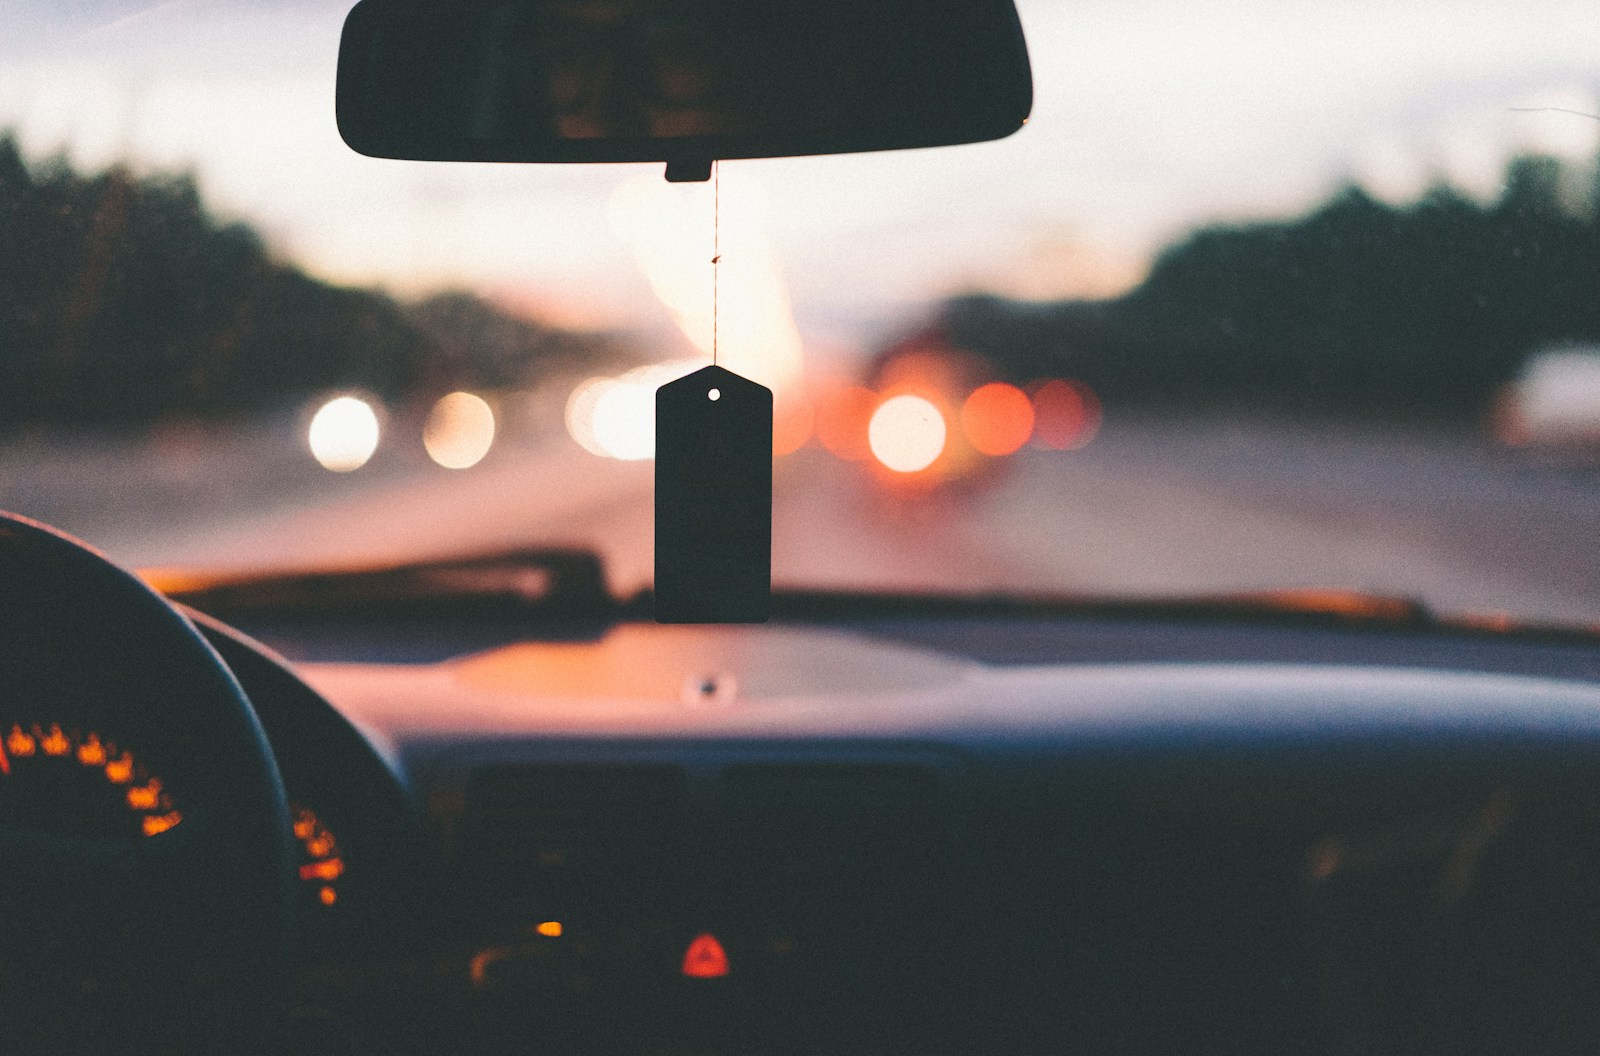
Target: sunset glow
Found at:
x=738, y=305
x=240, y=94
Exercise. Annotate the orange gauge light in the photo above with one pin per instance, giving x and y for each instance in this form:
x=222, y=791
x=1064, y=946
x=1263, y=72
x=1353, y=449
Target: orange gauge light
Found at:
x=705, y=958
x=55, y=742
x=326, y=869
x=91, y=752
x=146, y=796
x=320, y=861
x=57, y=769
x=550, y=929
x=19, y=743
x=155, y=824
x=120, y=771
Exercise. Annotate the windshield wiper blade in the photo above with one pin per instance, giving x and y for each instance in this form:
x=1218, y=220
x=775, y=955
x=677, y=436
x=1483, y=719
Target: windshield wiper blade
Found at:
x=1309, y=606
x=1293, y=607
x=569, y=585
x=544, y=582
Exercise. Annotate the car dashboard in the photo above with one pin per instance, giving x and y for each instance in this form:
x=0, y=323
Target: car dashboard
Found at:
x=925, y=831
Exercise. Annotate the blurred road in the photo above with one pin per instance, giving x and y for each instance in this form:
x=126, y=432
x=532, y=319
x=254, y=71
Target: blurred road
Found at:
x=1152, y=507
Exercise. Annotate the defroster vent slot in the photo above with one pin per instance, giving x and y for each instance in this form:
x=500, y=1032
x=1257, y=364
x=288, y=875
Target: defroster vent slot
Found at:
x=868, y=833
x=572, y=833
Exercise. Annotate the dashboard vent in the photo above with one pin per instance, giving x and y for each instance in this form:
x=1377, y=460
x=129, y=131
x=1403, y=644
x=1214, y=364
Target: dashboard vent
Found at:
x=816, y=830
x=557, y=834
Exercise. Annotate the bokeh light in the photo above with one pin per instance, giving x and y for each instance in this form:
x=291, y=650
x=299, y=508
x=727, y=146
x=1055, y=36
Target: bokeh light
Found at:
x=580, y=412
x=842, y=422
x=1066, y=415
x=344, y=434
x=906, y=433
x=792, y=423
x=997, y=418
x=624, y=421
x=616, y=417
x=459, y=430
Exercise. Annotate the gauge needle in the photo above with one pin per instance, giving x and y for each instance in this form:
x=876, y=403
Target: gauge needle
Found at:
x=5, y=761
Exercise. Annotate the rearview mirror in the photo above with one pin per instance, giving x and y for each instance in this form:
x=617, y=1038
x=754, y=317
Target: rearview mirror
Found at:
x=681, y=81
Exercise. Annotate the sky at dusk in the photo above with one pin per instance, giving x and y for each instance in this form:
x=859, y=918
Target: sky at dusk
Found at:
x=1150, y=116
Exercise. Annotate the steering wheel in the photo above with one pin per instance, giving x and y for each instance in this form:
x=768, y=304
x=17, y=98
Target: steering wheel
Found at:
x=172, y=941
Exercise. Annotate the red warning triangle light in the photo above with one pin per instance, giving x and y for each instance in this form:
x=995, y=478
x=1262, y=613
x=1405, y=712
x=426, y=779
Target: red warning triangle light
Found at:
x=705, y=958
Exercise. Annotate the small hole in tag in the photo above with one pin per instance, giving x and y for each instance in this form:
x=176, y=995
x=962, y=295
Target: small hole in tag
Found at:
x=714, y=395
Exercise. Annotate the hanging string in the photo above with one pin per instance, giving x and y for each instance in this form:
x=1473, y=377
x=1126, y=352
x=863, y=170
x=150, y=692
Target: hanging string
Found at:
x=716, y=252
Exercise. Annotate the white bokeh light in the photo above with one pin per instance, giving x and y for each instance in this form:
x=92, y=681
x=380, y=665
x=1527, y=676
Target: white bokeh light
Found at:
x=906, y=433
x=343, y=434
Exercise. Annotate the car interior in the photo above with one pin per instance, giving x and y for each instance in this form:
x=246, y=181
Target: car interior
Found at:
x=484, y=803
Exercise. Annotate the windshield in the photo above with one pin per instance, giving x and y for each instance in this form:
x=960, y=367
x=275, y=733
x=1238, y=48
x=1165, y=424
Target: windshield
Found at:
x=1268, y=294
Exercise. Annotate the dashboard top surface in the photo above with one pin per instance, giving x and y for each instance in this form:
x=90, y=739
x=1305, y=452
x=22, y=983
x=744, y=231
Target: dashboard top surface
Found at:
x=641, y=680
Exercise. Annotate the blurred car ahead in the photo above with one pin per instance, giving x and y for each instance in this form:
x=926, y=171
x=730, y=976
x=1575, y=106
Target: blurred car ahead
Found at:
x=1552, y=409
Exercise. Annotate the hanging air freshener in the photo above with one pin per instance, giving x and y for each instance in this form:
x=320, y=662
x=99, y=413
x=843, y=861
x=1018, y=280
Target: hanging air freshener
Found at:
x=713, y=488
x=713, y=499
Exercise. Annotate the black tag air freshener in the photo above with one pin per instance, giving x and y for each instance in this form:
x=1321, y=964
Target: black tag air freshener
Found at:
x=713, y=499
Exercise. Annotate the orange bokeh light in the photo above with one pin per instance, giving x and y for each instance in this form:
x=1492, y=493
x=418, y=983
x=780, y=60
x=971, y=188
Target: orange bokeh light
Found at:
x=997, y=418
x=842, y=422
x=1066, y=415
x=792, y=423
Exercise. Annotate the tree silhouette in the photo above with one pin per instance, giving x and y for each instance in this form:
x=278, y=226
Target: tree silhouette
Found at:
x=1357, y=306
x=123, y=301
